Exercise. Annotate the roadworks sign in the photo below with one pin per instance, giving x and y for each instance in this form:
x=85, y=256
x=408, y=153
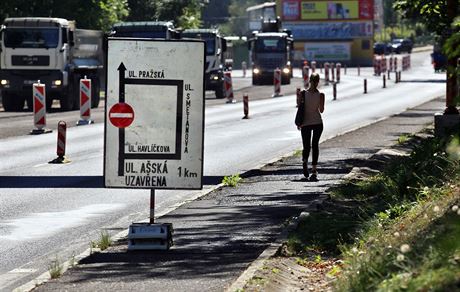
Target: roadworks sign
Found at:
x=154, y=123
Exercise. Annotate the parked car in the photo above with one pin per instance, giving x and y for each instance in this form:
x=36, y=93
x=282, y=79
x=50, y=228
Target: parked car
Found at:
x=401, y=45
x=382, y=48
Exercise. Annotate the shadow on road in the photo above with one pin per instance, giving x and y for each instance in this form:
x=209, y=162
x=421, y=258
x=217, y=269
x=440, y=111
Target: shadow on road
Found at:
x=80, y=182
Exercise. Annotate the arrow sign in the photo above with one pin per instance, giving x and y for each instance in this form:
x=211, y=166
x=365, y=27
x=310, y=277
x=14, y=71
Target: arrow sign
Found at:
x=121, y=81
x=121, y=115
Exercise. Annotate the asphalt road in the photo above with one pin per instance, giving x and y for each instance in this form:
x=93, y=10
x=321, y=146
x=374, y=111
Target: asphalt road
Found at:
x=49, y=211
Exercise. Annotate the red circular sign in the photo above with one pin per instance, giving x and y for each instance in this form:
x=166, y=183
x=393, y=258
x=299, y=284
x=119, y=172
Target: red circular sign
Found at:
x=121, y=115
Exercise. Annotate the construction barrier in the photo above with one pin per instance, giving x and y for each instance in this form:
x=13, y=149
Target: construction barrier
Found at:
x=395, y=65
x=332, y=72
x=388, y=77
x=306, y=76
x=334, y=91
x=246, y=106
x=338, y=69
x=277, y=82
x=326, y=73
x=39, y=106
x=313, y=66
x=85, y=102
x=391, y=63
x=61, y=143
x=228, y=87
x=365, y=86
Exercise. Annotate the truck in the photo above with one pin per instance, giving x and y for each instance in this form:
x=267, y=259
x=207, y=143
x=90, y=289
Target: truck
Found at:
x=216, y=45
x=145, y=29
x=269, y=49
x=53, y=51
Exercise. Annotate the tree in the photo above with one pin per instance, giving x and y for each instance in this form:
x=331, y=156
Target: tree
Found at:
x=91, y=14
x=438, y=17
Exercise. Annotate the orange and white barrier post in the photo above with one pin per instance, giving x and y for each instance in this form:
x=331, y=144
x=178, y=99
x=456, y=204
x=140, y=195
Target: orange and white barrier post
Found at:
x=61, y=143
x=338, y=68
x=246, y=106
x=85, y=102
x=306, y=76
x=332, y=72
x=365, y=86
x=39, y=105
x=334, y=91
x=326, y=73
x=313, y=66
x=244, y=67
x=228, y=87
x=277, y=82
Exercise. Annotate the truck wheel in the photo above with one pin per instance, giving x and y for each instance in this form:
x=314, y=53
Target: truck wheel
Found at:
x=220, y=92
x=12, y=102
x=67, y=99
x=95, y=93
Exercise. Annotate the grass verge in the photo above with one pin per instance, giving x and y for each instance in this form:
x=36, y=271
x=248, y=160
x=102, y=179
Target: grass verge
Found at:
x=393, y=231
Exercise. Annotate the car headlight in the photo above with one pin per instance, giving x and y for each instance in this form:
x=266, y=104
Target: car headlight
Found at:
x=256, y=71
x=57, y=82
x=214, y=77
x=4, y=82
x=286, y=70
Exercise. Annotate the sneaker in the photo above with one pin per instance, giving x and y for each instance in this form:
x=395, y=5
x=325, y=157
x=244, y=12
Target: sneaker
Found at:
x=314, y=176
x=305, y=169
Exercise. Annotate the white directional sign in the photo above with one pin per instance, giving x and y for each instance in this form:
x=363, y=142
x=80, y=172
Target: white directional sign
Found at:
x=154, y=120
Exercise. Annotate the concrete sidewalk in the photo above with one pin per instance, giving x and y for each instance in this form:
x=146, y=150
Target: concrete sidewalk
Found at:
x=219, y=235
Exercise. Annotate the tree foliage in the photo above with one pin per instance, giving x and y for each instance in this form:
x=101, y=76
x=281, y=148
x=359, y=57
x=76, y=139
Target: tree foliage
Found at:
x=237, y=23
x=102, y=14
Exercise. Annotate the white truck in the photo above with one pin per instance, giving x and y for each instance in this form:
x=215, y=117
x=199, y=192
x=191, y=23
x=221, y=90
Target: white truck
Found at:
x=53, y=51
x=216, y=45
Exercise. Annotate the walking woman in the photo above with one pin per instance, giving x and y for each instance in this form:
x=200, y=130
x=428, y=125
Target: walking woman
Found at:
x=312, y=125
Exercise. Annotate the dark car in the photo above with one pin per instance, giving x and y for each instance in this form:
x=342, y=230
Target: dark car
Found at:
x=381, y=48
x=401, y=45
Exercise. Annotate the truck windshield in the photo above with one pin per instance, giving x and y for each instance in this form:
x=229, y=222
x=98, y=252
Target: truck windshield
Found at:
x=269, y=45
x=209, y=39
x=31, y=37
x=142, y=34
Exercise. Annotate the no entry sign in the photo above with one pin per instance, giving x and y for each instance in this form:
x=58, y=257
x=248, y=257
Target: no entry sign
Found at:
x=154, y=114
x=121, y=115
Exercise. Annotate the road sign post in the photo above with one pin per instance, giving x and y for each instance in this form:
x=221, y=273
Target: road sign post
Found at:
x=154, y=124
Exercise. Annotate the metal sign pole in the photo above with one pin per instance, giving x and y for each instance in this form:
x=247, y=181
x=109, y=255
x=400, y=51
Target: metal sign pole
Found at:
x=152, y=206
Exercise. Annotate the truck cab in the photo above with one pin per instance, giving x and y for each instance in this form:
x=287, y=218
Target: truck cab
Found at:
x=145, y=29
x=216, y=45
x=271, y=49
x=45, y=49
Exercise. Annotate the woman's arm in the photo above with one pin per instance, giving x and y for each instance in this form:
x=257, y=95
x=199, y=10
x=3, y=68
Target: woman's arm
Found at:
x=321, y=102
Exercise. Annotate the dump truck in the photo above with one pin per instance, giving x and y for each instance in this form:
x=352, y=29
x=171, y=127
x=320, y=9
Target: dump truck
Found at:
x=216, y=45
x=271, y=48
x=52, y=51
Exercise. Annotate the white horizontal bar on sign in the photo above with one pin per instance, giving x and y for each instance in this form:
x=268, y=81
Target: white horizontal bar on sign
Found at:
x=121, y=115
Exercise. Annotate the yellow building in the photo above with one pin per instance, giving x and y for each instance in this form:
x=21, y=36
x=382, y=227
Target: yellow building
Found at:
x=324, y=30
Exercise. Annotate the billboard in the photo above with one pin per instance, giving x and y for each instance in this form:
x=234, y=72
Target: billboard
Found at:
x=327, y=51
x=292, y=10
x=320, y=10
x=329, y=30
